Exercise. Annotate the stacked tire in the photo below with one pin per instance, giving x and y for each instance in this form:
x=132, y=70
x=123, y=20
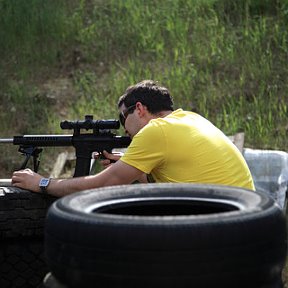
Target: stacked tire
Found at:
x=166, y=235
x=22, y=219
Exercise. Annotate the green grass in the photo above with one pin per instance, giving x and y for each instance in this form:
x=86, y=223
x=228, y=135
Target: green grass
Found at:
x=224, y=59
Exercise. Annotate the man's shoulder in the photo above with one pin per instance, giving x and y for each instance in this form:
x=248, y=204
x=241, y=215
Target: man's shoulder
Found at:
x=159, y=125
x=154, y=127
x=180, y=113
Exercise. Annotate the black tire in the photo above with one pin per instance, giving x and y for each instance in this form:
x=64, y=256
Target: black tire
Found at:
x=22, y=263
x=22, y=212
x=166, y=235
x=51, y=282
x=22, y=220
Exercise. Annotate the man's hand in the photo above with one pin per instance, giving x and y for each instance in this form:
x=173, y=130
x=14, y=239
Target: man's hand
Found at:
x=26, y=179
x=110, y=158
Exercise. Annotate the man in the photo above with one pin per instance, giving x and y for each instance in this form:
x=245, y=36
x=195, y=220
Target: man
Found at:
x=170, y=146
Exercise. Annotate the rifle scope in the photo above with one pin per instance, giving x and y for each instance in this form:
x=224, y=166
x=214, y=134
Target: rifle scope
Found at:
x=89, y=123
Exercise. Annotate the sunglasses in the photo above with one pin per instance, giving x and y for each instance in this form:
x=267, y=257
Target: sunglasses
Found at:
x=124, y=114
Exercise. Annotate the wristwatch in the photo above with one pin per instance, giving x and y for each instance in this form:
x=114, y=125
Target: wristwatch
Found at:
x=43, y=184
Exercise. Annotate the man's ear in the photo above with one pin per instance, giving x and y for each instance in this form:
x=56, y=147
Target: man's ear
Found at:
x=141, y=109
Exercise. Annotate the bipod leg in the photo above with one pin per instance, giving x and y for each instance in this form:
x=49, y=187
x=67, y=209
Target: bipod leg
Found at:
x=29, y=151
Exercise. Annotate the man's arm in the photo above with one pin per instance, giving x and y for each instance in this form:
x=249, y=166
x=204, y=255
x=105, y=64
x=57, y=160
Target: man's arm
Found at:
x=116, y=174
x=115, y=157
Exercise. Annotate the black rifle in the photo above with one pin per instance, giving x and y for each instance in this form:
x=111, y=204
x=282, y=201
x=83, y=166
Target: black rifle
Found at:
x=85, y=144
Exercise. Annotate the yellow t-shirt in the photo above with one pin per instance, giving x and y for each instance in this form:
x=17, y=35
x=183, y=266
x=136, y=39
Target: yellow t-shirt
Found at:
x=185, y=147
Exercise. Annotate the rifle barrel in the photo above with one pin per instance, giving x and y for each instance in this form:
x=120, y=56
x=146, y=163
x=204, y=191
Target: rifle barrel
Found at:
x=43, y=140
x=6, y=140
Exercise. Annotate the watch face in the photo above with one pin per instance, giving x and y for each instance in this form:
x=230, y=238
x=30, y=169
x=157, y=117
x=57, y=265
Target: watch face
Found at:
x=44, y=182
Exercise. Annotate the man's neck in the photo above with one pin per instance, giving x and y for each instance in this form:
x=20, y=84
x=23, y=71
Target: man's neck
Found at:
x=162, y=114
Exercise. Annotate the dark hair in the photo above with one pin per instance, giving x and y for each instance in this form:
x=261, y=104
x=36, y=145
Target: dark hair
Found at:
x=155, y=97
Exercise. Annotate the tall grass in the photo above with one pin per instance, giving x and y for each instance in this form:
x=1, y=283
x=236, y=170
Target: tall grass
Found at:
x=224, y=59
x=31, y=32
x=33, y=35
x=228, y=67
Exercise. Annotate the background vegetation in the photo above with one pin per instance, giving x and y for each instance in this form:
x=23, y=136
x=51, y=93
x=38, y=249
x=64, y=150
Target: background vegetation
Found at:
x=62, y=59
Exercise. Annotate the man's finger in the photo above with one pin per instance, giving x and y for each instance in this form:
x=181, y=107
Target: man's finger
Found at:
x=105, y=162
x=113, y=156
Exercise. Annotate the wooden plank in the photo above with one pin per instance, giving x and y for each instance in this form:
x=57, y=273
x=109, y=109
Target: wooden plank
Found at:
x=238, y=140
x=59, y=165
